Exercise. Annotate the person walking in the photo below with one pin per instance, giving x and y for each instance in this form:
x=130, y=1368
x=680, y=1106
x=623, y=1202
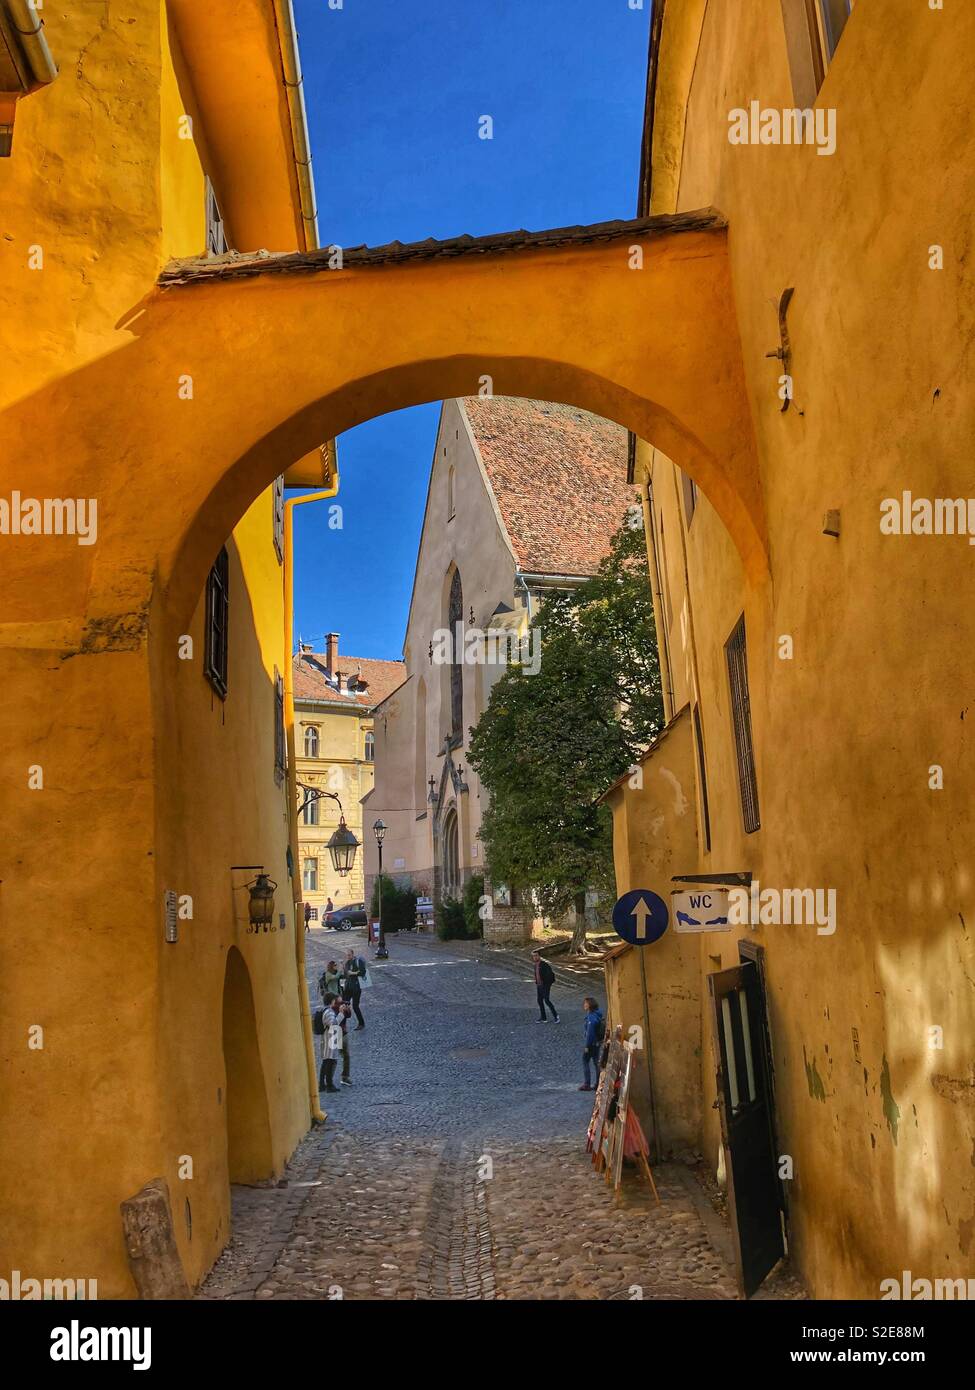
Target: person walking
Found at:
x=307, y=916
x=594, y=1030
x=329, y=907
x=353, y=974
x=544, y=980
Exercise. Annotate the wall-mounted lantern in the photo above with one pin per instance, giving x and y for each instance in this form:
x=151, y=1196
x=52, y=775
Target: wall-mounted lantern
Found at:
x=261, y=906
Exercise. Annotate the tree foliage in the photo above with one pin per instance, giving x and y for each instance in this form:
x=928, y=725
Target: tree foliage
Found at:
x=549, y=744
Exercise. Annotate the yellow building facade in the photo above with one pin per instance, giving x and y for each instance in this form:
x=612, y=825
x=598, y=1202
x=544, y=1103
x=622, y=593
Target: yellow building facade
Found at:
x=176, y=396
x=818, y=732
x=335, y=753
x=168, y=1043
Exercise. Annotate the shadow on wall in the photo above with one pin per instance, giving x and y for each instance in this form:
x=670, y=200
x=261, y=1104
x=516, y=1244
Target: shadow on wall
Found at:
x=249, y=1153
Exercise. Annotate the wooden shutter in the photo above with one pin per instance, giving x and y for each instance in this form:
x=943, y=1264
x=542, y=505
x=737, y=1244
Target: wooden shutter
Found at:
x=741, y=719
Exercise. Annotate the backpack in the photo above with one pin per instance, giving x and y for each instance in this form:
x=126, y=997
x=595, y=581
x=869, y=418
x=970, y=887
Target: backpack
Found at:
x=601, y=1029
x=318, y=1022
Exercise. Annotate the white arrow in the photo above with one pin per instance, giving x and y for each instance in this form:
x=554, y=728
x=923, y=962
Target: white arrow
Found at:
x=641, y=912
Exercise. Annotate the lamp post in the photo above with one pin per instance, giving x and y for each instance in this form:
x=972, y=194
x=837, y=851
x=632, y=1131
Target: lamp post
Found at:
x=379, y=830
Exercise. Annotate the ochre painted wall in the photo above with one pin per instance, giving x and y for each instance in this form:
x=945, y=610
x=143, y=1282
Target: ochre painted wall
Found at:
x=149, y=782
x=878, y=1123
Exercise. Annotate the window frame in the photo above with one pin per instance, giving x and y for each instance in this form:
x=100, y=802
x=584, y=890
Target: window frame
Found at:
x=736, y=659
x=216, y=653
x=277, y=521
x=369, y=746
x=280, y=741
x=309, y=861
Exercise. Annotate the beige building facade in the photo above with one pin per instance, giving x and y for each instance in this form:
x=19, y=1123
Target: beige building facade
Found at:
x=523, y=497
x=334, y=753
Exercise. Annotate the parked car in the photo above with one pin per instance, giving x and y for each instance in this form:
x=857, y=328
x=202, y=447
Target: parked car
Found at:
x=345, y=918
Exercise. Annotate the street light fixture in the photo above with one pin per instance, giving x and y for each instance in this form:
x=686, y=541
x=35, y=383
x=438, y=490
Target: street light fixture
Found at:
x=379, y=830
x=343, y=844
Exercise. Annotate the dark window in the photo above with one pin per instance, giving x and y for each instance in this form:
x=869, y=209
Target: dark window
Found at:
x=217, y=626
x=370, y=742
x=455, y=617
x=741, y=719
x=833, y=16
x=702, y=766
x=690, y=497
x=279, y=517
x=280, y=756
x=216, y=236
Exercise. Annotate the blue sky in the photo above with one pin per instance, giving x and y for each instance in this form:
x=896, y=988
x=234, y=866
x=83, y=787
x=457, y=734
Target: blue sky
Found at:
x=394, y=90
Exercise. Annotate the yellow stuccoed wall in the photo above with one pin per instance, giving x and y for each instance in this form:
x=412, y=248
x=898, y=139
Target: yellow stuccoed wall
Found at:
x=878, y=688
x=149, y=781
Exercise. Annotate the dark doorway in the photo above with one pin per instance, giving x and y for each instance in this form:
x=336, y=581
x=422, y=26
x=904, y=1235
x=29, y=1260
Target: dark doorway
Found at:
x=747, y=1131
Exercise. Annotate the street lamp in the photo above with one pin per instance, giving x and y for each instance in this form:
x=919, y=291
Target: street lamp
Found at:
x=343, y=844
x=379, y=830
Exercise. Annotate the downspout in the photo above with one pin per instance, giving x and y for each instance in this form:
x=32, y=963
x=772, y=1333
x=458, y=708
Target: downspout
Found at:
x=29, y=28
x=294, y=88
x=317, y=1114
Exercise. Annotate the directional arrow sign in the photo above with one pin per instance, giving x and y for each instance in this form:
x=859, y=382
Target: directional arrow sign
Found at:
x=640, y=917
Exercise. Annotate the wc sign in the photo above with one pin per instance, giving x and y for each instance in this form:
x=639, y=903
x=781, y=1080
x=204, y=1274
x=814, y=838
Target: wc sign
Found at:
x=704, y=909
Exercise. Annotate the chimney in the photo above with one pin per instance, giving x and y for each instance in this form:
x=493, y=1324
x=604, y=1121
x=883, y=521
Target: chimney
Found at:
x=332, y=652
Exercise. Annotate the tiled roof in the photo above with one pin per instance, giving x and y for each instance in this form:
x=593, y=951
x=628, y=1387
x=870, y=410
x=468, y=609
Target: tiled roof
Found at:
x=559, y=476
x=312, y=678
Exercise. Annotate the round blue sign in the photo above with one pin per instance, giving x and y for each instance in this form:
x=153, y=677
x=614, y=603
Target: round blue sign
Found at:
x=640, y=917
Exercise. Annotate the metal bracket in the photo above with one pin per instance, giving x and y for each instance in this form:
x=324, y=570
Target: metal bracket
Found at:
x=784, y=351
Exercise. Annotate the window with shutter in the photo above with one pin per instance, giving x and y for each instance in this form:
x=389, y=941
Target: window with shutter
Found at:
x=741, y=719
x=280, y=756
x=217, y=624
x=279, y=517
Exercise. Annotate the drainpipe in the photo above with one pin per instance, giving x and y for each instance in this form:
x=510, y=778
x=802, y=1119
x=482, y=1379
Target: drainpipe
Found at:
x=293, y=85
x=29, y=27
x=318, y=1116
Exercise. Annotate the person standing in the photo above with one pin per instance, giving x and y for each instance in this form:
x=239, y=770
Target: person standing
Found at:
x=353, y=974
x=307, y=916
x=328, y=906
x=544, y=980
x=332, y=1039
x=331, y=981
x=594, y=1030
x=336, y=1022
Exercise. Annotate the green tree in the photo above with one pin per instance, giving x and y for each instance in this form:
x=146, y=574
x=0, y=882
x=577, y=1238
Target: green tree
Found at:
x=549, y=744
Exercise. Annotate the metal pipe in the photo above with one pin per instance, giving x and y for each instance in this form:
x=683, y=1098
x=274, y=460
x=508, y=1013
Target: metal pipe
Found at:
x=294, y=87
x=318, y=1116
x=30, y=30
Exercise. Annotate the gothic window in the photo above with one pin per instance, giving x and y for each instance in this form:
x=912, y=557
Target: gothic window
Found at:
x=217, y=624
x=311, y=743
x=370, y=747
x=455, y=617
x=451, y=866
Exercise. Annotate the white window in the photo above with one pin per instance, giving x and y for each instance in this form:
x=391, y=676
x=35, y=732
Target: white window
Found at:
x=309, y=815
x=370, y=747
x=311, y=743
x=309, y=875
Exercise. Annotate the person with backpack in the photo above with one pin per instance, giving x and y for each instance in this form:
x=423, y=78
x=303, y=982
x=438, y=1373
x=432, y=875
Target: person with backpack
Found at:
x=544, y=980
x=594, y=1030
x=331, y=980
x=354, y=974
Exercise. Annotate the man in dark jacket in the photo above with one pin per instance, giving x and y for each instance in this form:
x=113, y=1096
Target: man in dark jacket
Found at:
x=593, y=1034
x=352, y=976
x=544, y=980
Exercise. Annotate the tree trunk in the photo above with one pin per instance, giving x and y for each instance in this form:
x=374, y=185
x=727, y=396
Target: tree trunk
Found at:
x=578, y=943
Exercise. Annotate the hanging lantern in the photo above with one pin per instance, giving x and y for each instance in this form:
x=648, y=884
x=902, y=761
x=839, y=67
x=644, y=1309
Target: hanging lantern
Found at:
x=342, y=847
x=261, y=908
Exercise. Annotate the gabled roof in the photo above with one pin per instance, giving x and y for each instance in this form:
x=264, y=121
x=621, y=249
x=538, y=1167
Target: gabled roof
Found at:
x=559, y=477
x=376, y=679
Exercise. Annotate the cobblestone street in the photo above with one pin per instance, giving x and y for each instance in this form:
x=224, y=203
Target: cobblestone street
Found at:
x=455, y=1166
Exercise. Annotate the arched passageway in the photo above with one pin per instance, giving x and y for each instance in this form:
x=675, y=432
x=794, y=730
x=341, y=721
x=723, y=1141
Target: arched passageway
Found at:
x=249, y=1149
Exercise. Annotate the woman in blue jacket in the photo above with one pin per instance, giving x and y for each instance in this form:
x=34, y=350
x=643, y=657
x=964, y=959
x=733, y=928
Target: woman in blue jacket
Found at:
x=594, y=1032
